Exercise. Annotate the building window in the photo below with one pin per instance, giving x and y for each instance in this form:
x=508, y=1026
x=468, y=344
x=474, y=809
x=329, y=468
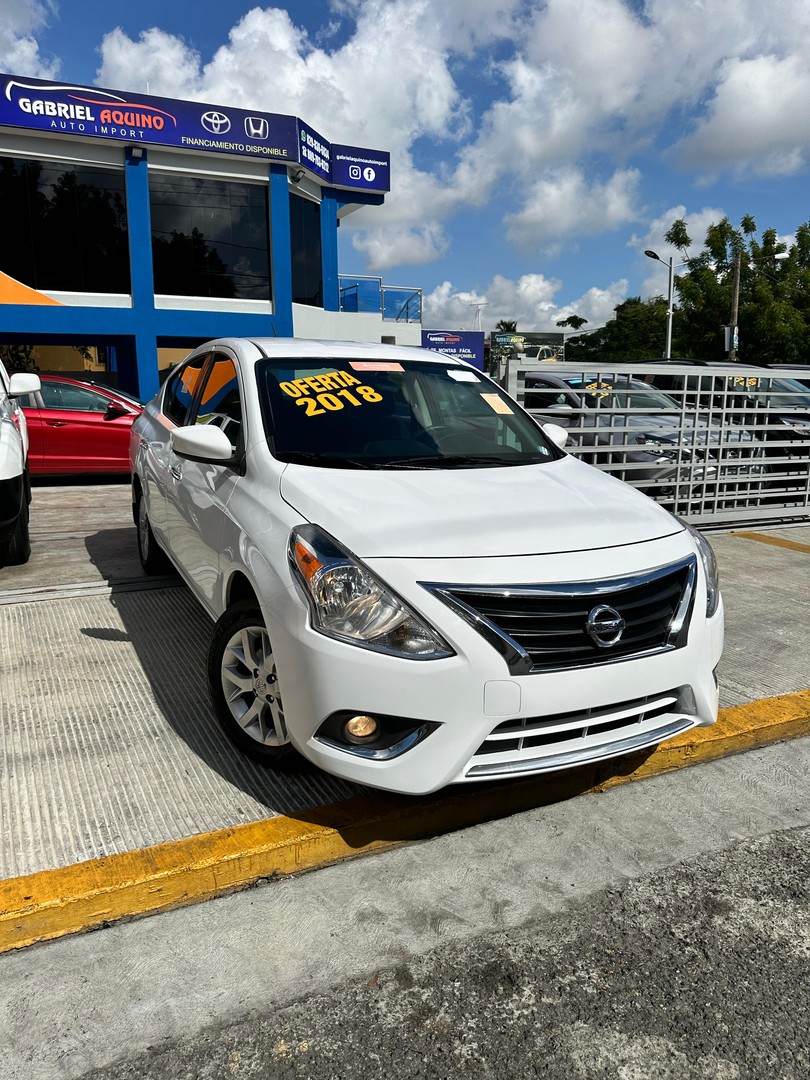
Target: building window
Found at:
x=209, y=237
x=64, y=226
x=305, y=252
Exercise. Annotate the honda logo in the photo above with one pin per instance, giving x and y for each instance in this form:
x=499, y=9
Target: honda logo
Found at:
x=256, y=127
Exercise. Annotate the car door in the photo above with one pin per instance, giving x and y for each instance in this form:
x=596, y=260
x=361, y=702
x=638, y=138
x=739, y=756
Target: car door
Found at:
x=198, y=491
x=74, y=432
x=153, y=457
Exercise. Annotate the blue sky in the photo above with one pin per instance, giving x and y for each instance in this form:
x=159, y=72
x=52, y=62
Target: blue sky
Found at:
x=537, y=148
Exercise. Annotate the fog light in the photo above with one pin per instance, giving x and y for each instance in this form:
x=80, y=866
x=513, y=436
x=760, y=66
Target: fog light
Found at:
x=359, y=728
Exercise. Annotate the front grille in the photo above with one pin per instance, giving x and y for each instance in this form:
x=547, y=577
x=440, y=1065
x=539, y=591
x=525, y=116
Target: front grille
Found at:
x=545, y=627
x=544, y=743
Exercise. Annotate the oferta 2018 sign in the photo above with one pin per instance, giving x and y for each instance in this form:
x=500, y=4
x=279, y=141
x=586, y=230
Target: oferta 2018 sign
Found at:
x=91, y=112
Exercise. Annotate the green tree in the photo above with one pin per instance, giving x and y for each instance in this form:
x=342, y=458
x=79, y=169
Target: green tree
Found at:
x=773, y=304
x=773, y=296
x=506, y=326
x=637, y=332
x=576, y=322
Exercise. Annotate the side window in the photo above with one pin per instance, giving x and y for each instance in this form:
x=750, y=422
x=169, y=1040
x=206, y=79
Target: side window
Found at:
x=180, y=388
x=64, y=396
x=220, y=403
x=541, y=395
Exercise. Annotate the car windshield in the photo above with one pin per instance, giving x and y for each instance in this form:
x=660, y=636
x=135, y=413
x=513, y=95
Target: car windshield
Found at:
x=380, y=414
x=789, y=393
x=777, y=393
x=622, y=393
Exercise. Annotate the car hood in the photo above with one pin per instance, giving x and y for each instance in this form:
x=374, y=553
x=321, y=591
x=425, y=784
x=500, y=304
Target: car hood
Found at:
x=558, y=506
x=670, y=428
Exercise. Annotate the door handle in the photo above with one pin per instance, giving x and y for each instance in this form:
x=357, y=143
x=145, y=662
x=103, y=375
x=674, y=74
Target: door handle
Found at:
x=56, y=423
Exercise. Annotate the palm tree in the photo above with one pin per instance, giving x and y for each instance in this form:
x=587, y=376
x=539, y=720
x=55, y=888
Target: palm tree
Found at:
x=506, y=326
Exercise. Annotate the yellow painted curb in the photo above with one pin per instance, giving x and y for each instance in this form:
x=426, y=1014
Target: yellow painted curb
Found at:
x=774, y=541
x=53, y=903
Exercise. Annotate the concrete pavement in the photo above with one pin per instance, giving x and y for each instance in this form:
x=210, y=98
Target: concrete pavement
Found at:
x=120, y=796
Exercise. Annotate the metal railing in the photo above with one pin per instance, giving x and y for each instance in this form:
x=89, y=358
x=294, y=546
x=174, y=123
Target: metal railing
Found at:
x=368, y=294
x=720, y=444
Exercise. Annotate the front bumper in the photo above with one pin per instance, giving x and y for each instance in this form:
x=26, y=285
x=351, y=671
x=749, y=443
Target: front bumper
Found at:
x=486, y=722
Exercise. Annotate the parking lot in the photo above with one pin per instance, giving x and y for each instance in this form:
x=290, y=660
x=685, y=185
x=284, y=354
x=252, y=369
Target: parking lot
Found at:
x=110, y=749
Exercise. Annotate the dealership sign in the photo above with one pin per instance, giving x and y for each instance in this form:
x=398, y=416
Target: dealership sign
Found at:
x=463, y=344
x=133, y=118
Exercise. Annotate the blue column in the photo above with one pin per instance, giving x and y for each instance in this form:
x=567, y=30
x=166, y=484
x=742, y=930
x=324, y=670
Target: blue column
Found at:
x=329, y=249
x=138, y=368
x=280, y=251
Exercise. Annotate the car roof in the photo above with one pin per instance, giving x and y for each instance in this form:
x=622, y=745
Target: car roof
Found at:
x=285, y=348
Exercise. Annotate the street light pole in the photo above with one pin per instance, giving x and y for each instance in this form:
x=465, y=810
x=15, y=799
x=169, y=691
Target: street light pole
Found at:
x=735, y=308
x=779, y=256
x=670, y=297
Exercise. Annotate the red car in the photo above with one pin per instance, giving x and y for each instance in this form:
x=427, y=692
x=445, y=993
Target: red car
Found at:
x=78, y=427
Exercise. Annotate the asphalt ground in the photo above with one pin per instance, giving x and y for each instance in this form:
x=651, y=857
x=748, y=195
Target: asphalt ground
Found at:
x=120, y=797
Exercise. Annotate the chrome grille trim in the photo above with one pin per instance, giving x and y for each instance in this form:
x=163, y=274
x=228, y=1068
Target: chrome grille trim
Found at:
x=564, y=608
x=586, y=719
x=580, y=755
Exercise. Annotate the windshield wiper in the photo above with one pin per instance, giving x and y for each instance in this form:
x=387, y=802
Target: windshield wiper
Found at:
x=326, y=461
x=451, y=461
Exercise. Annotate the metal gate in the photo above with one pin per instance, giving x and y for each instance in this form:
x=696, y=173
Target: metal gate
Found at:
x=717, y=444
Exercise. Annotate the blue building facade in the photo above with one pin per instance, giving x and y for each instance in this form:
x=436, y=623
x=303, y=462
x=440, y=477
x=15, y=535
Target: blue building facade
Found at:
x=136, y=226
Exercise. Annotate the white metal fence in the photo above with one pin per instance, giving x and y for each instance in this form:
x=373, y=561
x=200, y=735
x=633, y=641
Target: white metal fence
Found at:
x=719, y=444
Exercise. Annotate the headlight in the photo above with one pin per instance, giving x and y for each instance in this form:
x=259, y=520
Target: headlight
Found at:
x=350, y=603
x=709, y=567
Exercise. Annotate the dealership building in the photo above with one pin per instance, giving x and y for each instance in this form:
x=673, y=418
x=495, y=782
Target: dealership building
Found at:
x=135, y=227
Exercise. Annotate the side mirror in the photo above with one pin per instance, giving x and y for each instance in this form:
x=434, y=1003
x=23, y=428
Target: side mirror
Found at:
x=116, y=409
x=204, y=442
x=557, y=434
x=560, y=408
x=23, y=382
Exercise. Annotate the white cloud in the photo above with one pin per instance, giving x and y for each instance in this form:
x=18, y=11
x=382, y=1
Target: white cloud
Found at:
x=563, y=203
x=19, y=52
x=758, y=120
x=400, y=245
x=530, y=301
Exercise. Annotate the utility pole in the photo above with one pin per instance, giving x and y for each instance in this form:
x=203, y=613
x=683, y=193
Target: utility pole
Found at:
x=735, y=308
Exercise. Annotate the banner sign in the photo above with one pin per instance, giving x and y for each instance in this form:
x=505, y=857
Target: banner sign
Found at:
x=534, y=344
x=464, y=344
x=134, y=118
x=352, y=166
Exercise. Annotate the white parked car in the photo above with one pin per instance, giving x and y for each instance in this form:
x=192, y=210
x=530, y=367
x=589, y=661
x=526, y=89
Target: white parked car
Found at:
x=413, y=584
x=15, y=482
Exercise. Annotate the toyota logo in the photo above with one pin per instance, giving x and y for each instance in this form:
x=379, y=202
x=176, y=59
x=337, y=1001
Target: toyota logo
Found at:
x=604, y=626
x=216, y=122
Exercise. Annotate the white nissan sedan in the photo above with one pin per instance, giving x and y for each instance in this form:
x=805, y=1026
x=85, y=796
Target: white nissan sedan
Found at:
x=412, y=583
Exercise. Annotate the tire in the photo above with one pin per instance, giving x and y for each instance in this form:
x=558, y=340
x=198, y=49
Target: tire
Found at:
x=17, y=549
x=153, y=559
x=244, y=686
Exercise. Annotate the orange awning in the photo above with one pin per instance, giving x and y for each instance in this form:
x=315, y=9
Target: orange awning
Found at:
x=14, y=292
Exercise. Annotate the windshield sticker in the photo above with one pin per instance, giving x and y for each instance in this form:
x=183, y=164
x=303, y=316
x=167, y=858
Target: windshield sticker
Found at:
x=375, y=365
x=460, y=375
x=603, y=386
x=312, y=391
x=316, y=384
x=497, y=404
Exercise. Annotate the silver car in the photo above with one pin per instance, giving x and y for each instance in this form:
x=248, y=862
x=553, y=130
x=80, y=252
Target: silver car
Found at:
x=643, y=435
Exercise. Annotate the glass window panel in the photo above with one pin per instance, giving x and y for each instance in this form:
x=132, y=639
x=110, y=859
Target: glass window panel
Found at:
x=64, y=226
x=209, y=237
x=220, y=403
x=305, y=252
x=180, y=388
